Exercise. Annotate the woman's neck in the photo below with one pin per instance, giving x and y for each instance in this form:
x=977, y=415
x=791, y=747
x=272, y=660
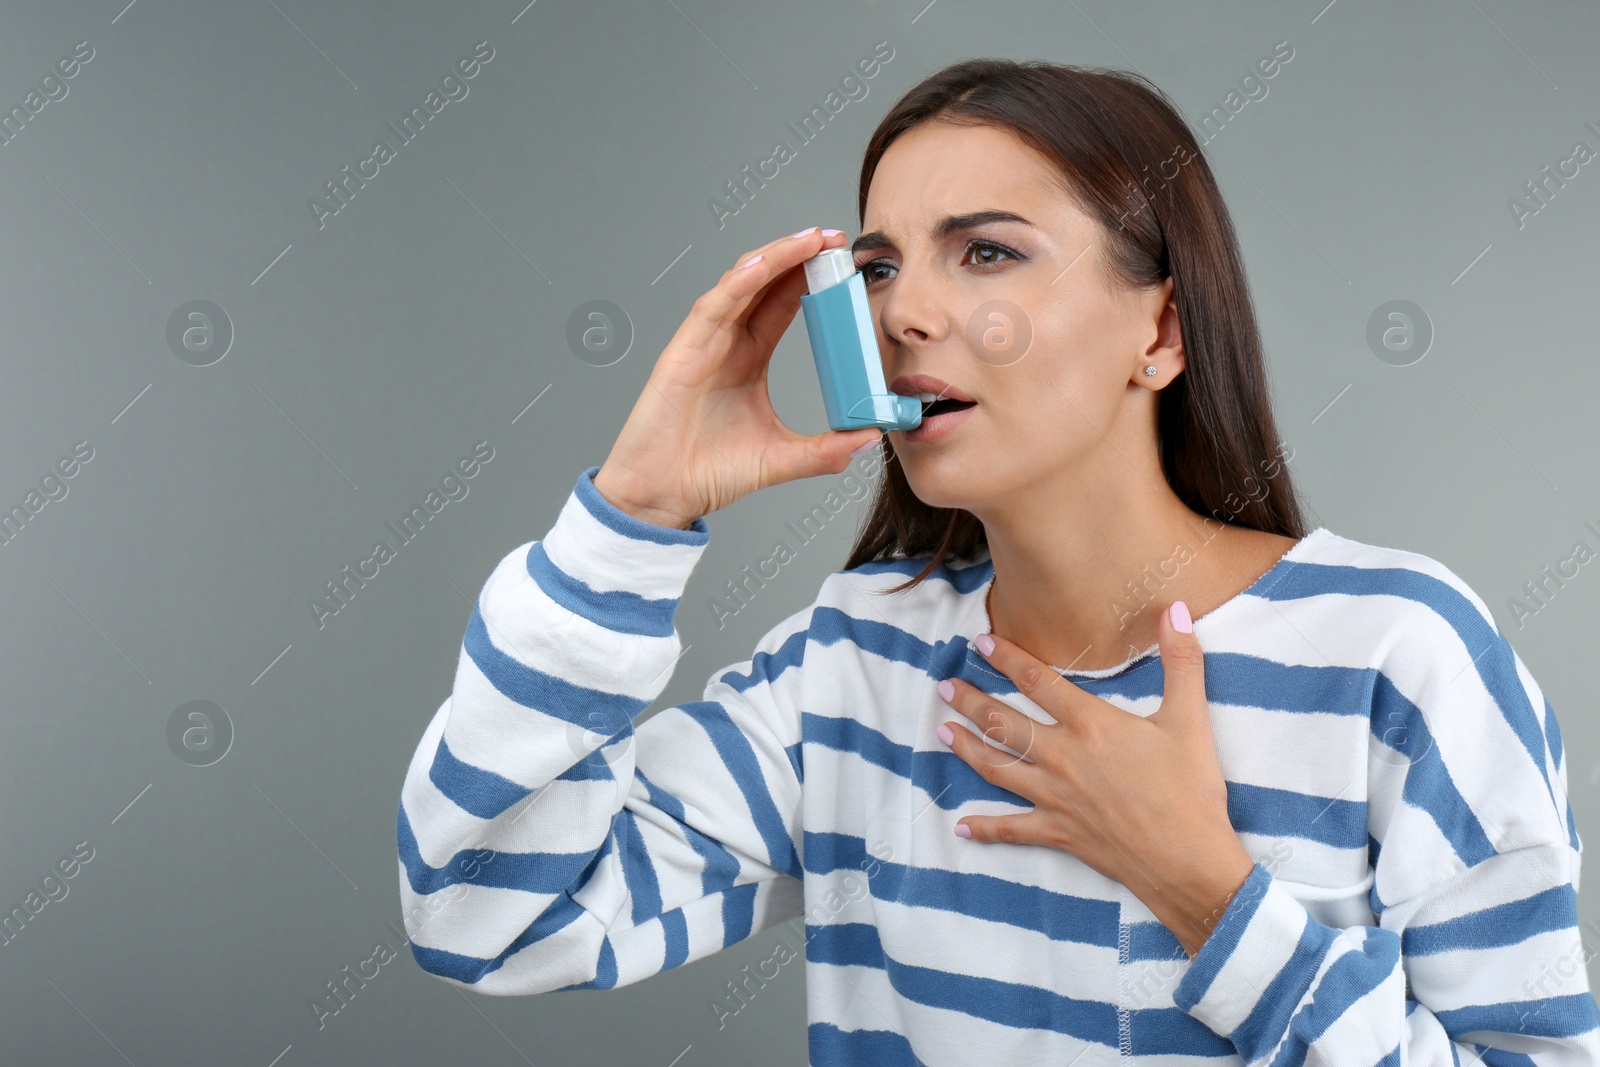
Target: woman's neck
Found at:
x=1093, y=606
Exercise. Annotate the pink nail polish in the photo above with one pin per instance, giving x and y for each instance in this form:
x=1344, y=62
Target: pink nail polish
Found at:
x=985, y=644
x=945, y=734
x=963, y=830
x=947, y=690
x=1179, y=613
x=859, y=449
x=831, y=233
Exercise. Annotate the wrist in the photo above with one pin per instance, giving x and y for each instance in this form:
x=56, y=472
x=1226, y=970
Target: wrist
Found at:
x=619, y=498
x=1191, y=909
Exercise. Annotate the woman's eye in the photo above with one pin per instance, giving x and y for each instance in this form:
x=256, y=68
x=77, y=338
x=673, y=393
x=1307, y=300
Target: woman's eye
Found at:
x=977, y=248
x=869, y=269
x=983, y=253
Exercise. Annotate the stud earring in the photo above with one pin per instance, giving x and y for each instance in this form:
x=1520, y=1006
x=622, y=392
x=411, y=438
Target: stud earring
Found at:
x=1150, y=371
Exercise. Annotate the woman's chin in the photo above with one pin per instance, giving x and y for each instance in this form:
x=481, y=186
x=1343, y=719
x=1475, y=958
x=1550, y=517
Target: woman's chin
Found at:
x=940, y=491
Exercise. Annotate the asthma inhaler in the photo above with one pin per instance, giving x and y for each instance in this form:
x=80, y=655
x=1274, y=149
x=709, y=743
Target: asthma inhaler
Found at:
x=845, y=348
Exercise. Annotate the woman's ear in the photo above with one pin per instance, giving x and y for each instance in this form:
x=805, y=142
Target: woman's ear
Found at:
x=1166, y=351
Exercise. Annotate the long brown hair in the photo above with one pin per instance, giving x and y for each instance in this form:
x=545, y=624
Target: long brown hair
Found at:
x=1115, y=138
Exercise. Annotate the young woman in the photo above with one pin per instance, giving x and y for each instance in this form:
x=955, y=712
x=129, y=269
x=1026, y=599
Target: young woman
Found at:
x=1251, y=793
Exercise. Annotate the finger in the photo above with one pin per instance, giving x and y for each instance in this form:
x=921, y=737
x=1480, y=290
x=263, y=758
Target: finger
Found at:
x=1036, y=680
x=802, y=456
x=997, y=722
x=1026, y=828
x=773, y=309
x=724, y=304
x=1007, y=770
x=1183, y=670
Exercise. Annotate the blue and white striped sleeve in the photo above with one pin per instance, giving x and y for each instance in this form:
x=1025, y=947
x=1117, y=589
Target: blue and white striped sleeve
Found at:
x=1477, y=953
x=545, y=841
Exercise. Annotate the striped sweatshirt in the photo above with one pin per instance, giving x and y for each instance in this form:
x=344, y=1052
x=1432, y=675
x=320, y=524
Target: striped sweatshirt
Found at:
x=1391, y=765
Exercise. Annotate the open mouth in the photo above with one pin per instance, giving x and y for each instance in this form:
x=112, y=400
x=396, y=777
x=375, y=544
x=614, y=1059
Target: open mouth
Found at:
x=939, y=407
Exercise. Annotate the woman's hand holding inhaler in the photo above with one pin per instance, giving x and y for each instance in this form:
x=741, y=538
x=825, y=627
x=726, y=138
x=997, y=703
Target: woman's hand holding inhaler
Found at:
x=703, y=432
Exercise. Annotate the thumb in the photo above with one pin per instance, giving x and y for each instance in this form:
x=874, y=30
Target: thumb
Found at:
x=1183, y=669
x=806, y=456
x=839, y=448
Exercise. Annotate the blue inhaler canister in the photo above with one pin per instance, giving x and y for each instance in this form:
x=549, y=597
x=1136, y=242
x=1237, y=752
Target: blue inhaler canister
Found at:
x=845, y=348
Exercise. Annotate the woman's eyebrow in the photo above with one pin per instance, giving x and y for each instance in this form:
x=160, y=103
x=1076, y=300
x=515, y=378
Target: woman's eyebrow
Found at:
x=950, y=224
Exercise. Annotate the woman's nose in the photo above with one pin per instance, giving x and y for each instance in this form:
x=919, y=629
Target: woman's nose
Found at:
x=912, y=310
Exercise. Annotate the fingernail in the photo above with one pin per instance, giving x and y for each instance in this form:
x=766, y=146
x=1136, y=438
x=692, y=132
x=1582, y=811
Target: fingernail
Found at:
x=1179, y=614
x=985, y=644
x=748, y=262
x=831, y=233
x=963, y=830
x=947, y=690
x=856, y=451
x=803, y=232
x=946, y=734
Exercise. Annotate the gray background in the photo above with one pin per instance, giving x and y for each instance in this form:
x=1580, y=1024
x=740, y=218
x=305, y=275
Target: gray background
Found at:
x=432, y=310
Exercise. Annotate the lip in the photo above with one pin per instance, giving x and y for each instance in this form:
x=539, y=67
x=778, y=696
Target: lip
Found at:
x=937, y=427
x=914, y=384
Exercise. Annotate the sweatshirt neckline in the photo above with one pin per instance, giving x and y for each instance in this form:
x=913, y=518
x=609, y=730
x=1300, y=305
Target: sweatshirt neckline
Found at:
x=1296, y=553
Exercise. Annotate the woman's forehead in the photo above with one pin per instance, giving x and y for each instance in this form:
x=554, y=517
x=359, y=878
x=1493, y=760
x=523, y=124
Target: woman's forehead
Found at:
x=947, y=171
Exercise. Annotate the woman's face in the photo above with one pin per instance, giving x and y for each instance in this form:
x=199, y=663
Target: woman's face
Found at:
x=1017, y=314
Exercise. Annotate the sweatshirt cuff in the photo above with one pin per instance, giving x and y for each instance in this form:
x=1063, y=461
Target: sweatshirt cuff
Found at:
x=1256, y=965
x=613, y=569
